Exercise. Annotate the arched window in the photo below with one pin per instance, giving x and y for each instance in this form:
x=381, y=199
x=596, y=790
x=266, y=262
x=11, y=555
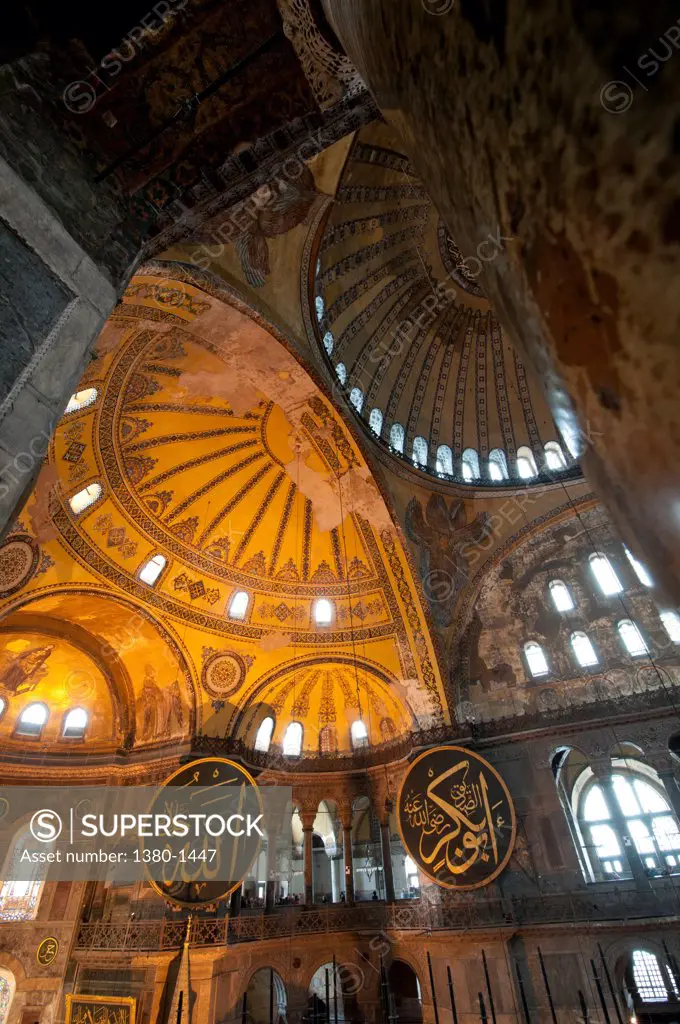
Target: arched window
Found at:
x=375, y=421
x=328, y=342
x=397, y=438
x=19, y=899
x=264, y=734
x=320, y=308
x=561, y=596
x=75, y=724
x=83, y=499
x=444, y=461
x=584, y=652
x=604, y=574
x=653, y=982
x=650, y=825
x=498, y=464
x=554, y=456
x=292, y=740
x=3, y=705
x=238, y=606
x=536, y=659
x=470, y=464
x=152, y=569
x=80, y=400
x=341, y=372
x=323, y=612
x=32, y=720
x=632, y=638
x=639, y=568
x=359, y=733
x=328, y=740
x=671, y=623
x=7, y=987
x=526, y=463
x=356, y=397
x=419, y=451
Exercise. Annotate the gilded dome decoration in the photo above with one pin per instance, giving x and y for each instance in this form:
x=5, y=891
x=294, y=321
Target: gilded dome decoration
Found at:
x=211, y=486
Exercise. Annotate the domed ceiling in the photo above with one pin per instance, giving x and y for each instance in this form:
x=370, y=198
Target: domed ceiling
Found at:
x=219, y=458
x=402, y=313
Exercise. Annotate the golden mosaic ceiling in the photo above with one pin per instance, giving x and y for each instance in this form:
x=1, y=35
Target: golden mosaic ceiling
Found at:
x=402, y=310
x=217, y=455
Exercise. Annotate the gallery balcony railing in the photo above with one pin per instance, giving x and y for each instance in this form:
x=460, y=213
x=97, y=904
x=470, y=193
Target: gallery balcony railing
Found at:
x=466, y=914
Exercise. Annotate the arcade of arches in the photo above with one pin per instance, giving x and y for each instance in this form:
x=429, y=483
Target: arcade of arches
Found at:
x=320, y=447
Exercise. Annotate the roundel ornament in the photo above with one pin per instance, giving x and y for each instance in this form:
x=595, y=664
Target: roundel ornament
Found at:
x=456, y=818
x=213, y=799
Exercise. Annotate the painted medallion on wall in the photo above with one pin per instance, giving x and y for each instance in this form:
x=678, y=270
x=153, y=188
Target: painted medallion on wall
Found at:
x=207, y=865
x=456, y=818
x=100, y=1009
x=47, y=951
x=223, y=674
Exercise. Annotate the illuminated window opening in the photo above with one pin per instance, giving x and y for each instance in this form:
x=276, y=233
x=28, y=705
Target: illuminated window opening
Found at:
x=359, y=734
x=356, y=397
x=81, y=400
x=397, y=438
x=292, y=740
x=83, y=499
x=444, y=461
x=323, y=612
x=671, y=623
x=341, y=371
x=32, y=720
x=419, y=452
x=328, y=342
x=536, y=659
x=375, y=421
x=526, y=463
x=498, y=465
x=152, y=569
x=632, y=638
x=554, y=456
x=75, y=723
x=561, y=596
x=238, y=605
x=264, y=734
x=470, y=464
x=584, y=652
x=604, y=573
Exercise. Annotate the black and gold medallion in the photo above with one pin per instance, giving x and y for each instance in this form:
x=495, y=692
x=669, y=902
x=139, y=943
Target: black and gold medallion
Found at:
x=456, y=818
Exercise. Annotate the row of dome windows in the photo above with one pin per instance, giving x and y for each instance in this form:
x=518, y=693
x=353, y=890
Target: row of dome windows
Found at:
x=33, y=720
x=292, y=738
x=497, y=464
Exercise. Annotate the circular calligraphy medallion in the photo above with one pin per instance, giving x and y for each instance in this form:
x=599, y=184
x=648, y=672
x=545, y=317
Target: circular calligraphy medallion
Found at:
x=47, y=951
x=192, y=880
x=456, y=818
x=223, y=674
x=18, y=559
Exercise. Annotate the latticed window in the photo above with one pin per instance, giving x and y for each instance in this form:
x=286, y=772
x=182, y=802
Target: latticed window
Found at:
x=526, y=463
x=375, y=421
x=650, y=826
x=444, y=461
x=152, y=569
x=632, y=638
x=328, y=740
x=79, y=401
x=397, y=437
x=341, y=371
x=498, y=464
x=419, y=451
x=19, y=899
x=554, y=456
x=83, y=499
x=584, y=652
x=328, y=342
x=470, y=464
x=292, y=740
x=6, y=994
x=356, y=397
x=653, y=982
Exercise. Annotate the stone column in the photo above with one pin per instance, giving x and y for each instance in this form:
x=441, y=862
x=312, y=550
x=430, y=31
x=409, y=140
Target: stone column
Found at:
x=307, y=832
x=387, y=860
x=349, y=864
x=561, y=267
x=272, y=881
